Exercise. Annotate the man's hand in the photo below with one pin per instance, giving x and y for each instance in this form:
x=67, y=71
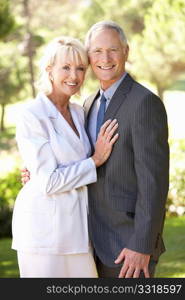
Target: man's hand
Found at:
x=134, y=263
x=25, y=176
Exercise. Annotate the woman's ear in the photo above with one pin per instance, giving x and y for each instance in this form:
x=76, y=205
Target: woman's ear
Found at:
x=48, y=68
x=49, y=71
x=51, y=77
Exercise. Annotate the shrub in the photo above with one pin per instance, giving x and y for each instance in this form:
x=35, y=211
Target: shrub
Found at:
x=9, y=188
x=176, y=196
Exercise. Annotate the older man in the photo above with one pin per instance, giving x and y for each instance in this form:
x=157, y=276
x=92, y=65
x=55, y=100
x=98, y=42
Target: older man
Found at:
x=127, y=203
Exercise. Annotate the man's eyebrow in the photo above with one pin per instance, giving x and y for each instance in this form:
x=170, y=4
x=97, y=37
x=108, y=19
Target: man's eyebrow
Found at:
x=111, y=47
x=94, y=48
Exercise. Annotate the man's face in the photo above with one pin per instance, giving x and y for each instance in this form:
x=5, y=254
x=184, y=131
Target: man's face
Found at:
x=107, y=56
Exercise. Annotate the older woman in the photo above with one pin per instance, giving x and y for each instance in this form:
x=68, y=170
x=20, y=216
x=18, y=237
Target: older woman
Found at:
x=50, y=231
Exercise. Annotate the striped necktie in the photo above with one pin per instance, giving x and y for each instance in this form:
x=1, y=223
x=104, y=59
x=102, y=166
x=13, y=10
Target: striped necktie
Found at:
x=101, y=113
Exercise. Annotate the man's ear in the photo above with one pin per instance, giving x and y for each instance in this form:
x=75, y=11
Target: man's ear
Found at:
x=126, y=49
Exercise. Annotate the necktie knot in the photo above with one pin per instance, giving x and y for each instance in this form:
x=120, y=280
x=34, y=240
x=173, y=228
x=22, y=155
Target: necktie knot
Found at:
x=101, y=113
x=103, y=99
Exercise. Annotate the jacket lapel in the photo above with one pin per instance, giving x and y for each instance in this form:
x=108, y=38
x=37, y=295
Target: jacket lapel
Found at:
x=118, y=97
x=88, y=104
x=62, y=127
x=117, y=100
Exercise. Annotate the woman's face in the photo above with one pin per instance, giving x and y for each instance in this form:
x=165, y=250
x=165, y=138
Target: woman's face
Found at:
x=67, y=76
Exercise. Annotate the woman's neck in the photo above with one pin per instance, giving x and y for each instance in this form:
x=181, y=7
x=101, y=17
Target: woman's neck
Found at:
x=60, y=102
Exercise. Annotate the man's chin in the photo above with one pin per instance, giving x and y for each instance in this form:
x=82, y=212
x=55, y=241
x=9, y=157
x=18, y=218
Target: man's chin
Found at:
x=105, y=77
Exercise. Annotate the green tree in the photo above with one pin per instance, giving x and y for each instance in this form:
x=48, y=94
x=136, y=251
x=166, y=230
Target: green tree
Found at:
x=30, y=43
x=158, y=54
x=18, y=49
x=156, y=35
x=7, y=21
x=7, y=26
x=11, y=82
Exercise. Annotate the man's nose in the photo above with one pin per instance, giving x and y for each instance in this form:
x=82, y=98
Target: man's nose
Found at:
x=105, y=56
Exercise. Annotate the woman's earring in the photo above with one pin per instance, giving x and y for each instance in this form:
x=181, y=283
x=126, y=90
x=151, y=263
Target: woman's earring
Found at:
x=51, y=78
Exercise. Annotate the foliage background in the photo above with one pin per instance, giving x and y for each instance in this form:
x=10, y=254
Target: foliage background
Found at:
x=156, y=37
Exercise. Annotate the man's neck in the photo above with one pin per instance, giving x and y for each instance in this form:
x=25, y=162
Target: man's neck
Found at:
x=107, y=84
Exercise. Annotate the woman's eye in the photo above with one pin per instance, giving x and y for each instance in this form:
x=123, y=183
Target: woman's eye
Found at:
x=66, y=68
x=81, y=69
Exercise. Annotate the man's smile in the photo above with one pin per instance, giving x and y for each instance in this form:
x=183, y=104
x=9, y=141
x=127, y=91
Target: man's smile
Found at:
x=106, y=67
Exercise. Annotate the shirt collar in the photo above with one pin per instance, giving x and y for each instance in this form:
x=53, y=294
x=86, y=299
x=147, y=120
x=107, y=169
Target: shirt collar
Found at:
x=111, y=90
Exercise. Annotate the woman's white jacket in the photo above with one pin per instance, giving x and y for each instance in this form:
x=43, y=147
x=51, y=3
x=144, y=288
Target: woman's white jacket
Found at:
x=50, y=212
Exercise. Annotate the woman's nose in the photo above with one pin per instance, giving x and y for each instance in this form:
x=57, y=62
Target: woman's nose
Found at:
x=73, y=74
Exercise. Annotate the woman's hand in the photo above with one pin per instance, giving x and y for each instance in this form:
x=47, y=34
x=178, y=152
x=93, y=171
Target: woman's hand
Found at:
x=105, y=142
x=103, y=147
x=25, y=176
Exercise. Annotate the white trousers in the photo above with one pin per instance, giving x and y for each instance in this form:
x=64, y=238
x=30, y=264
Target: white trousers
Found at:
x=56, y=266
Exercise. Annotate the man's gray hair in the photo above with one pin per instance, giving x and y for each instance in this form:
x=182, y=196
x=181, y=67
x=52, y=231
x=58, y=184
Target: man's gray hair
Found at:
x=105, y=25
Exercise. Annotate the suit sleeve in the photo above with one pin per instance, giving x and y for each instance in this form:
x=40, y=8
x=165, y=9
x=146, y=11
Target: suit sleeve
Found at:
x=151, y=156
x=36, y=152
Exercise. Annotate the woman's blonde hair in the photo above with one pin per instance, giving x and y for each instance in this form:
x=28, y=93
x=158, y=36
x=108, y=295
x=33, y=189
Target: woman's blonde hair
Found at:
x=67, y=47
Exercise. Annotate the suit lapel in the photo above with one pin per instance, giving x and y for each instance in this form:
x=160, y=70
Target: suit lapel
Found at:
x=117, y=100
x=88, y=104
x=118, y=97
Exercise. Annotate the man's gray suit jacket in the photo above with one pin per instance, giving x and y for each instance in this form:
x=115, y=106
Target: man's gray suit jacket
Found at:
x=127, y=203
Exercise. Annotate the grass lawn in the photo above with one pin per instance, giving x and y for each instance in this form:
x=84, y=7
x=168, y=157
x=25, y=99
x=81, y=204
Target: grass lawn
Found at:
x=171, y=263
x=8, y=260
